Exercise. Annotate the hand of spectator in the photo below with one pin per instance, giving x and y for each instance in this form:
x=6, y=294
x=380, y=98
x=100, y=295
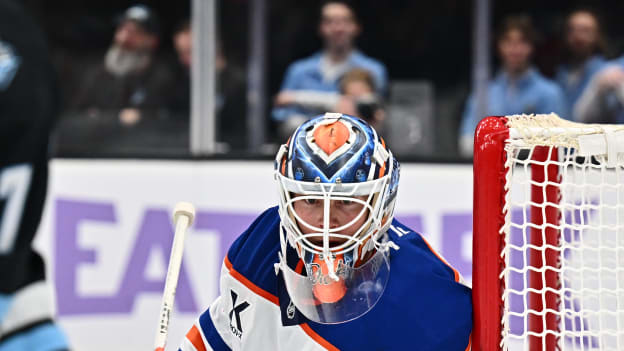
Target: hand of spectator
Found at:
x=284, y=98
x=129, y=116
x=611, y=78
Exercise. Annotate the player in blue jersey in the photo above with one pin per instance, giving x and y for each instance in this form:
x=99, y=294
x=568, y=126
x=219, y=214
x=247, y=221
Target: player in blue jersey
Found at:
x=330, y=268
x=29, y=106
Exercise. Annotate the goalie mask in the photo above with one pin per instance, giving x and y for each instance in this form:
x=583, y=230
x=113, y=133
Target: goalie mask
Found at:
x=337, y=188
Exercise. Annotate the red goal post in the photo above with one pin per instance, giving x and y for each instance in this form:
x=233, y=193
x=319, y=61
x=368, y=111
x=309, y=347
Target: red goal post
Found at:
x=548, y=218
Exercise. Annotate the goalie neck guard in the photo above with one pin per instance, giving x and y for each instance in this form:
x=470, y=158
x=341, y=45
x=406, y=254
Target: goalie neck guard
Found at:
x=339, y=175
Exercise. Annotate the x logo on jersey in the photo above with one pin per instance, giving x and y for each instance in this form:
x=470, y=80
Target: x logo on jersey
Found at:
x=236, y=310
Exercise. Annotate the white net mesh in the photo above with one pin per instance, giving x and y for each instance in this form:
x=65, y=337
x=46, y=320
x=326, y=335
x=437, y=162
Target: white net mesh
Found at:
x=581, y=237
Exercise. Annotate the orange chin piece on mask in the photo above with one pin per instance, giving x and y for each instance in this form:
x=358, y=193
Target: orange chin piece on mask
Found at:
x=328, y=290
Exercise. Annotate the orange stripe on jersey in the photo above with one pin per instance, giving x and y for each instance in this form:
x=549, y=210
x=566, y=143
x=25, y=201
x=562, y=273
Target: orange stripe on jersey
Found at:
x=319, y=339
x=331, y=137
x=251, y=286
x=442, y=259
x=195, y=338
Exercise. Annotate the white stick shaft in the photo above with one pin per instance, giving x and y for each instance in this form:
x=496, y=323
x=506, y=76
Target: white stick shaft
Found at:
x=171, y=282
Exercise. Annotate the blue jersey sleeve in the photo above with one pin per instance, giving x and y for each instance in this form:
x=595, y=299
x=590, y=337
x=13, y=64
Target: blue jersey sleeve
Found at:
x=256, y=249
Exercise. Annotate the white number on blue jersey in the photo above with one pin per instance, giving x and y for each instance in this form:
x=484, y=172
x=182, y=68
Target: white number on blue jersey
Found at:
x=14, y=184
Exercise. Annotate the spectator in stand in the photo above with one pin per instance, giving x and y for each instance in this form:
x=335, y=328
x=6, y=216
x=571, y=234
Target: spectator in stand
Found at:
x=180, y=99
x=357, y=97
x=518, y=87
x=603, y=99
x=132, y=83
x=322, y=71
x=585, y=46
x=230, y=102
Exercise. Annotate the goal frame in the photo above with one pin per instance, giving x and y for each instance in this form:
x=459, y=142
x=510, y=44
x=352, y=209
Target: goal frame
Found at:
x=489, y=216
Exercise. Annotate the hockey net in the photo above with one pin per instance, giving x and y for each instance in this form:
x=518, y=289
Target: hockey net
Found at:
x=548, y=243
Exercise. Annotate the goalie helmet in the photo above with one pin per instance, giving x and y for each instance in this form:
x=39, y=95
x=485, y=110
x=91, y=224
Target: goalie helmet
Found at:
x=337, y=184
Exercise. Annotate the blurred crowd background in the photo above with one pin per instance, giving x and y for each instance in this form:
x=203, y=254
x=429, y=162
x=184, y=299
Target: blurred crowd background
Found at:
x=406, y=66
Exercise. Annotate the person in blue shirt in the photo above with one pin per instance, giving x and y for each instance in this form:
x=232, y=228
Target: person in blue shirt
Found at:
x=603, y=99
x=330, y=268
x=585, y=46
x=319, y=74
x=518, y=87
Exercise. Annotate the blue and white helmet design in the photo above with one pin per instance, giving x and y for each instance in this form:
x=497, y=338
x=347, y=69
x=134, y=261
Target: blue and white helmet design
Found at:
x=336, y=158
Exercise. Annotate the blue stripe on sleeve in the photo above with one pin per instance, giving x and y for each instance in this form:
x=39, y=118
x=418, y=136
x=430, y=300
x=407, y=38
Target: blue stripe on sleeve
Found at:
x=211, y=334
